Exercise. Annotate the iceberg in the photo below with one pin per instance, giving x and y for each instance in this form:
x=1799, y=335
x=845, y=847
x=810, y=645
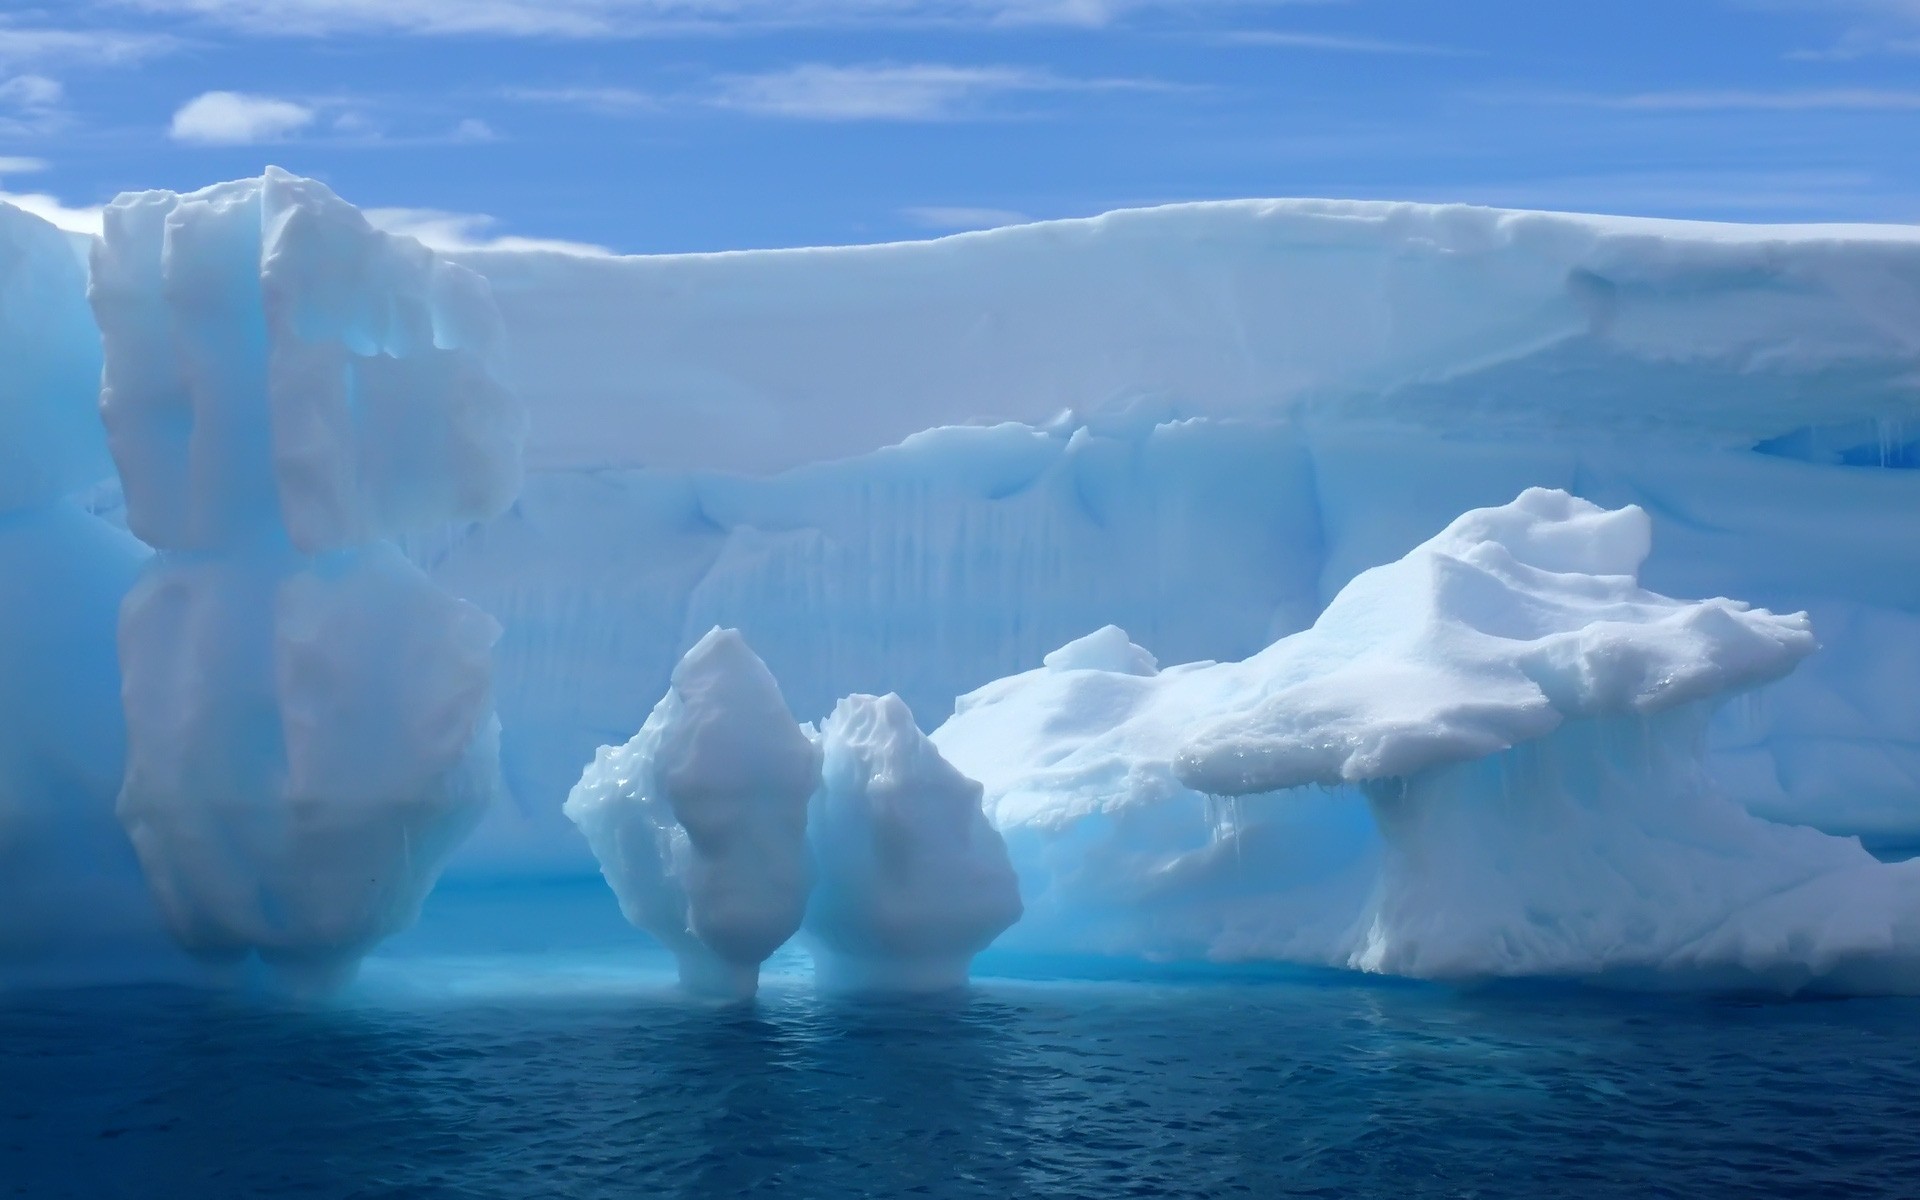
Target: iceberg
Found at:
x=913, y=881
x=700, y=821
x=309, y=719
x=1522, y=724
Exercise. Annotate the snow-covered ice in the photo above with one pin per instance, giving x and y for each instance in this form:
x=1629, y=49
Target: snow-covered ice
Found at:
x=700, y=821
x=1522, y=726
x=913, y=881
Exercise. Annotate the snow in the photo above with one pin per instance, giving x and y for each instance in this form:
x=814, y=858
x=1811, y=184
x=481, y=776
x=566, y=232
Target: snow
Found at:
x=913, y=881
x=700, y=821
x=1521, y=722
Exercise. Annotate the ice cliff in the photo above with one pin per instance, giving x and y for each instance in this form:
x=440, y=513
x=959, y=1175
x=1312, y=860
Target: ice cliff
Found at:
x=916, y=470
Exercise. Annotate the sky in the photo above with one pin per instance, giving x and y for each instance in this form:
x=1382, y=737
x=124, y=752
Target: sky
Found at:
x=645, y=126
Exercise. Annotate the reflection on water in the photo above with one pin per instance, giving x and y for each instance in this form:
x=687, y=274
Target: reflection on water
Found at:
x=1211, y=1088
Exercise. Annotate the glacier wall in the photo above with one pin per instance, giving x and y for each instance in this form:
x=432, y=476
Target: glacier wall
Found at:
x=916, y=468
x=919, y=468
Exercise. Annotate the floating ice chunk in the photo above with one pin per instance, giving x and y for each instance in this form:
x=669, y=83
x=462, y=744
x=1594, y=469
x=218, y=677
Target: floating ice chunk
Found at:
x=50, y=438
x=699, y=822
x=1105, y=649
x=913, y=881
x=277, y=369
x=306, y=745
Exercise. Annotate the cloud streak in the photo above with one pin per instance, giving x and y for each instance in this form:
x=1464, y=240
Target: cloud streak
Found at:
x=612, y=18
x=897, y=91
x=458, y=231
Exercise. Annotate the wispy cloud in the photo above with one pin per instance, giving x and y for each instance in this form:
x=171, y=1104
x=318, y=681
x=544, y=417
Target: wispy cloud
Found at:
x=1845, y=99
x=953, y=218
x=31, y=104
x=896, y=91
x=458, y=231
x=1842, y=99
x=1282, y=39
x=604, y=18
x=238, y=119
x=613, y=100
x=53, y=47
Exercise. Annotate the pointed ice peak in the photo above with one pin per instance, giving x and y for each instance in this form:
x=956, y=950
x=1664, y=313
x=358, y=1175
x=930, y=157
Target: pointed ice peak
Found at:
x=1105, y=649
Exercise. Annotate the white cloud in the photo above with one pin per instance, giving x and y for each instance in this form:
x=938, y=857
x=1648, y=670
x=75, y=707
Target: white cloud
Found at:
x=19, y=165
x=893, y=92
x=31, y=104
x=237, y=119
x=457, y=231
x=471, y=131
x=601, y=18
x=1332, y=42
x=957, y=218
x=26, y=44
x=51, y=209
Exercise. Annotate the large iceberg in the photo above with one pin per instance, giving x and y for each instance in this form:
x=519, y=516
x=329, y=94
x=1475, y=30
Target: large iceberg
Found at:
x=918, y=469
x=1521, y=723
x=309, y=719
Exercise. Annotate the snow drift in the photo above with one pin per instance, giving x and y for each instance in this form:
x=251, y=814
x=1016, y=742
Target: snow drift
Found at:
x=1523, y=723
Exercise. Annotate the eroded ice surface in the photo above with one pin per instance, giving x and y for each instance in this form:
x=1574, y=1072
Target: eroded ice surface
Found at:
x=1520, y=723
x=912, y=880
x=309, y=718
x=700, y=821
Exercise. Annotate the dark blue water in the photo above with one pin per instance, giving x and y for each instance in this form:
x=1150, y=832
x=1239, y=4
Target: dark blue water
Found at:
x=1192, y=1088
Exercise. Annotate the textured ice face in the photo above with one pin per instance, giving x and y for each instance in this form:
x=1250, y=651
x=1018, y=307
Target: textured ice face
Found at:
x=1509, y=622
x=1513, y=728
x=277, y=370
x=913, y=881
x=50, y=439
x=699, y=822
x=306, y=745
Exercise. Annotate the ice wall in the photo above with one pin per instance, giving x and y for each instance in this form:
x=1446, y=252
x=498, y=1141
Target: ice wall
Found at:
x=1222, y=413
x=310, y=730
x=70, y=895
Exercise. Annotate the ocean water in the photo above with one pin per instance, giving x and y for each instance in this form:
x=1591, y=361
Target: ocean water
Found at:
x=465, y=1077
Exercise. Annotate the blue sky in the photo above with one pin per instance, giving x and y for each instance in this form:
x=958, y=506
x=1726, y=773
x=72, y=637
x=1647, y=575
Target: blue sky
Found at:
x=662, y=125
